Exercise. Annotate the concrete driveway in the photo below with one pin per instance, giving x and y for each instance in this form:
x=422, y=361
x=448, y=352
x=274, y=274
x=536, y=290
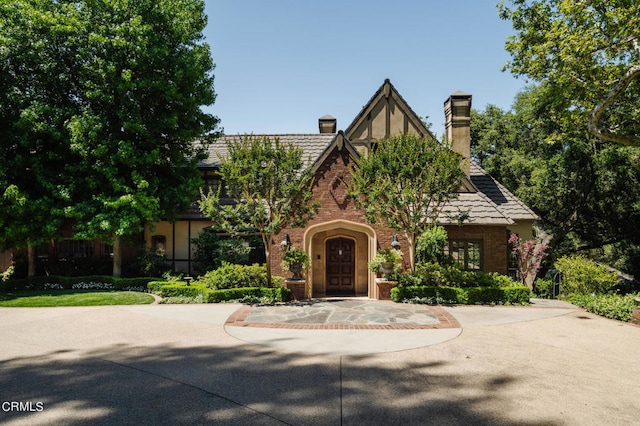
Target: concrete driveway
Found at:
x=191, y=364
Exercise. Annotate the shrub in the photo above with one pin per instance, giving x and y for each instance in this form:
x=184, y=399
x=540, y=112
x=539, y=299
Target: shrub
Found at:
x=235, y=276
x=86, y=282
x=153, y=263
x=517, y=294
x=607, y=305
x=432, y=274
x=386, y=255
x=543, y=288
x=183, y=300
x=499, y=295
x=278, y=294
x=295, y=255
x=583, y=276
x=177, y=289
x=502, y=280
x=430, y=246
x=132, y=283
x=4, y=276
x=212, y=249
x=436, y=294
x=480, y=295
x=27, y=283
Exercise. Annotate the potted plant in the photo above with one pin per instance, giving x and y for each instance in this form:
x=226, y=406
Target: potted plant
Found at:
x=296, y=261
x=386, y=261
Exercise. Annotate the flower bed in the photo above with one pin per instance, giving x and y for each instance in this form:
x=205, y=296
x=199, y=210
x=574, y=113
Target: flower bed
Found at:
x=93, y=282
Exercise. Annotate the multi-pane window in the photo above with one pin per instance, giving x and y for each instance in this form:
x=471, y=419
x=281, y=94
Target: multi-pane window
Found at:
x=467, y=254
x=69, y=249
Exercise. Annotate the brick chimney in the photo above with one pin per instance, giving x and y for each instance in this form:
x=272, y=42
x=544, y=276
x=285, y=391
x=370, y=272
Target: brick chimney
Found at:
x=327, y=124
x=457, y=113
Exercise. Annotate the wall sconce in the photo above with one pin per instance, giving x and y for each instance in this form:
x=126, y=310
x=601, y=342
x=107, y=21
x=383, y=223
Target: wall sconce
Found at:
x=286, y=242
x=395, y=244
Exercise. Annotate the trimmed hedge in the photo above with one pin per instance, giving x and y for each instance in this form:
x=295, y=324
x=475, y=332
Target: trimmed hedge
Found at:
x=176, y=289
x=181, y=289
x=277, y=294
x=454, y=295
x=448, y=294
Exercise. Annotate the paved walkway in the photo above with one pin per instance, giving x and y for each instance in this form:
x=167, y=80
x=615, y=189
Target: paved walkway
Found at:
x=326, y=326
x=548, y=364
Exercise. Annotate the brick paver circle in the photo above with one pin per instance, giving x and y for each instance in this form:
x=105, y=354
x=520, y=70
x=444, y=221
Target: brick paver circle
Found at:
x=343, y=314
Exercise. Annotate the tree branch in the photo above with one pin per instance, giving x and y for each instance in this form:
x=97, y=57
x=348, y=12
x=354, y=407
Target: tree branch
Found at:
x=596, y=115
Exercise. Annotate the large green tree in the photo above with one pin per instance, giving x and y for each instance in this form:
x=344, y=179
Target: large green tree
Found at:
x=37, y=96
x=128, y=79
x=268, y=188
x=146, y=72
x=588, y=52
x=405, y=182
x=587, y=191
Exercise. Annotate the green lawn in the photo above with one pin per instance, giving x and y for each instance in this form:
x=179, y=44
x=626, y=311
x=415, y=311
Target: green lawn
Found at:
x=45, y=298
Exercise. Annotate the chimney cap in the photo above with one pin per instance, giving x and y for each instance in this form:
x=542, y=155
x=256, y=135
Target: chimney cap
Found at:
x=327, y=124
x=458, y=95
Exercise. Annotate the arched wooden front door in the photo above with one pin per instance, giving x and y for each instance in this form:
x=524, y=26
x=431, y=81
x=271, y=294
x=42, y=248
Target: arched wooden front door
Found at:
x=341, y=266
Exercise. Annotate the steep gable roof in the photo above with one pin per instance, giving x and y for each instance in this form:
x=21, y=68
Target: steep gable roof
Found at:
x=340, y=142
x=482, y=198
x=386, y=114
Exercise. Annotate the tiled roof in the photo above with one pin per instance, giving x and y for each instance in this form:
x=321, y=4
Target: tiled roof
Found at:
x=313, y=145
x=493, y=204
x=507, y=203
x=477, y=209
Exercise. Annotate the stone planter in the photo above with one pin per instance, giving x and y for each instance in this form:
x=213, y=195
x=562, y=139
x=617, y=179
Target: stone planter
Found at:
x=296, y=268
x=297, y=288
x=387, y=269
x=384, y=288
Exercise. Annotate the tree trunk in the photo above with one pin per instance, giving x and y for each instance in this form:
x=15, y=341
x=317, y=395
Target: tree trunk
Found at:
x=411, y=238
x=31, y=261
x=117, y=257
x=266, y=240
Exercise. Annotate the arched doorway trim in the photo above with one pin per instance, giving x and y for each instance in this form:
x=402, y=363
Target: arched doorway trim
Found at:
x=315, y=238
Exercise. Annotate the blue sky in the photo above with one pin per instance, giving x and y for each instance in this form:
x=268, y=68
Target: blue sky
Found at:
x=282, y=64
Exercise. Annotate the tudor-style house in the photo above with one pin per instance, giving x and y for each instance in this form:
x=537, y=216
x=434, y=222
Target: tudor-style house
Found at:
x=339, y=240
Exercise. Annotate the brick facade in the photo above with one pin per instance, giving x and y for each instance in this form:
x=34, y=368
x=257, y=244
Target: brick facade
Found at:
x=494, y=248
x=338, y=225
x=330, y=191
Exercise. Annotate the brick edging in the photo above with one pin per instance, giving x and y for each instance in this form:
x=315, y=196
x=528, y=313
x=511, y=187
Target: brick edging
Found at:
x=446, y=320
